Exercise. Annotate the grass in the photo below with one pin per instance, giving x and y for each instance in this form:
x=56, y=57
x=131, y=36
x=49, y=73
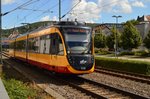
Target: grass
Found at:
x=19, y=87
x=18, y=90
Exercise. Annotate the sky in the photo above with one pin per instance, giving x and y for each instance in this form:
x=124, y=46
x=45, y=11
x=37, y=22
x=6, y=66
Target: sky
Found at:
x=91, y=11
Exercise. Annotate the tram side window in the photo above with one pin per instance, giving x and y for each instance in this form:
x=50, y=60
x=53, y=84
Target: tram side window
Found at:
x=34, y=44
x=47, y=44
x=37, y=44
x=11, y=45
x=21, y=45
x=42, y=44
x=30, y=44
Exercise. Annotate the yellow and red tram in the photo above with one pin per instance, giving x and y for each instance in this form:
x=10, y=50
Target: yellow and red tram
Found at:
x=66, y=47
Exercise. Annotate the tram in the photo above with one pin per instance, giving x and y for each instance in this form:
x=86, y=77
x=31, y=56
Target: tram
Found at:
x=65, y=47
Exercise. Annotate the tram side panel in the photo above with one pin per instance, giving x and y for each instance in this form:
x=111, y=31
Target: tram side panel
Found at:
x=12, y=48
x=20, y=51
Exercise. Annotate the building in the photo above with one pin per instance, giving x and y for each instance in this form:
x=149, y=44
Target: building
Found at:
x=106, y=28
x=144, y=25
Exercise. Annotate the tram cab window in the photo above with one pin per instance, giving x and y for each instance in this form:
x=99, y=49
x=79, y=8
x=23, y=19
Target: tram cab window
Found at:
x=56, y=44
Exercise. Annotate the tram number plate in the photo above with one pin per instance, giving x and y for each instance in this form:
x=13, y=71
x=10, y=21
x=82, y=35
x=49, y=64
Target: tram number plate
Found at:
x=83, y=68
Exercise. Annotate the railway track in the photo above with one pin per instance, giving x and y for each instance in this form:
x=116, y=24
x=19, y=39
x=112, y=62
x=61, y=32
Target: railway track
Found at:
x=99, y=90
x=82, y=86
x=4, y=53
x=126, y=75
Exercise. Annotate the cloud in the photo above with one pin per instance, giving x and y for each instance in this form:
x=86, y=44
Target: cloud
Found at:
x=85, y=11
x=90, y=11
x=125, y=6
x=138, y=4
x=45, y=18
x=55, y=18
x=4, y=2
x=117, y=6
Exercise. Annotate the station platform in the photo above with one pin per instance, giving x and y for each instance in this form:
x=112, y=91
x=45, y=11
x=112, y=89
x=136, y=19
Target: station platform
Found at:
x=3, y=92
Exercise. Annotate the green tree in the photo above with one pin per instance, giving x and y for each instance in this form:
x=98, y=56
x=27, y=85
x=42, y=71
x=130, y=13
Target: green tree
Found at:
x=100, y=40
x=131, y=37
x=147, y=40
x=134, y=22
x=111, y=38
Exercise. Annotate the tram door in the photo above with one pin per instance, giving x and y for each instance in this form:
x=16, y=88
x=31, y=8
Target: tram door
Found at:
x=57, y=50
x=53, y=49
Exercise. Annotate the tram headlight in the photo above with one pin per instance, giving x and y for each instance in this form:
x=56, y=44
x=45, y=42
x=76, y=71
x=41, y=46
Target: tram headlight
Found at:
x=90, y=52
x=68, y=52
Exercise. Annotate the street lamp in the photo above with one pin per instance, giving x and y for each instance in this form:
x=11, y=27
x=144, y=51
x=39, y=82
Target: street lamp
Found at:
x=116, y=42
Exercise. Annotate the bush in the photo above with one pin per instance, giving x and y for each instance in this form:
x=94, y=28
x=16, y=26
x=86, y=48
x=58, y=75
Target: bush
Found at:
x=96, y=50
x=137, y=53
x=124, y=65
x=126, y=53
x=102, y=51
x=18, y=90
x=141, y=53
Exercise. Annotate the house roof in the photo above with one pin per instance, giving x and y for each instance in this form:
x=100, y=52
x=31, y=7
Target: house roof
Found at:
x=148, y=17
x=144, y=18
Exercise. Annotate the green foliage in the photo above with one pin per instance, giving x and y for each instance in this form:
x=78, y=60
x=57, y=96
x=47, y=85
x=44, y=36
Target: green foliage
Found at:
x=136, y=53
x=100, y=40
x=33, y=26
x=25, y=28
x=17, y=90
x=147, y=40
x=131, y=37
x=134, y=22
x=126, y=53
x=102, y=51
x=111, y=39
x=124, y=65
x=142, y=53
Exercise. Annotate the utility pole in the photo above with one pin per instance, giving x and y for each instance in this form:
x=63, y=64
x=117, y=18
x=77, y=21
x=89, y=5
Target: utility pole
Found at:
x=1, y=33
x=59, y=10
x=116, y=37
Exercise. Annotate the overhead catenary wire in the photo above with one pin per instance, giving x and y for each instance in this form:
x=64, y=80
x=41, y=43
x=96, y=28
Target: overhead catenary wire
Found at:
x=32, y=9
x=71, y=9
x=22, y=5
x=49, y=10
x=37, y=9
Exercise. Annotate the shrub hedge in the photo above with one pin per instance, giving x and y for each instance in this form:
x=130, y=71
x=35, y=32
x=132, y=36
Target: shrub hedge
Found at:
x=124, y=65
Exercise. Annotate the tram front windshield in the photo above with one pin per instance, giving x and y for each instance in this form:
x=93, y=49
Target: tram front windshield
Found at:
x=78, y=40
